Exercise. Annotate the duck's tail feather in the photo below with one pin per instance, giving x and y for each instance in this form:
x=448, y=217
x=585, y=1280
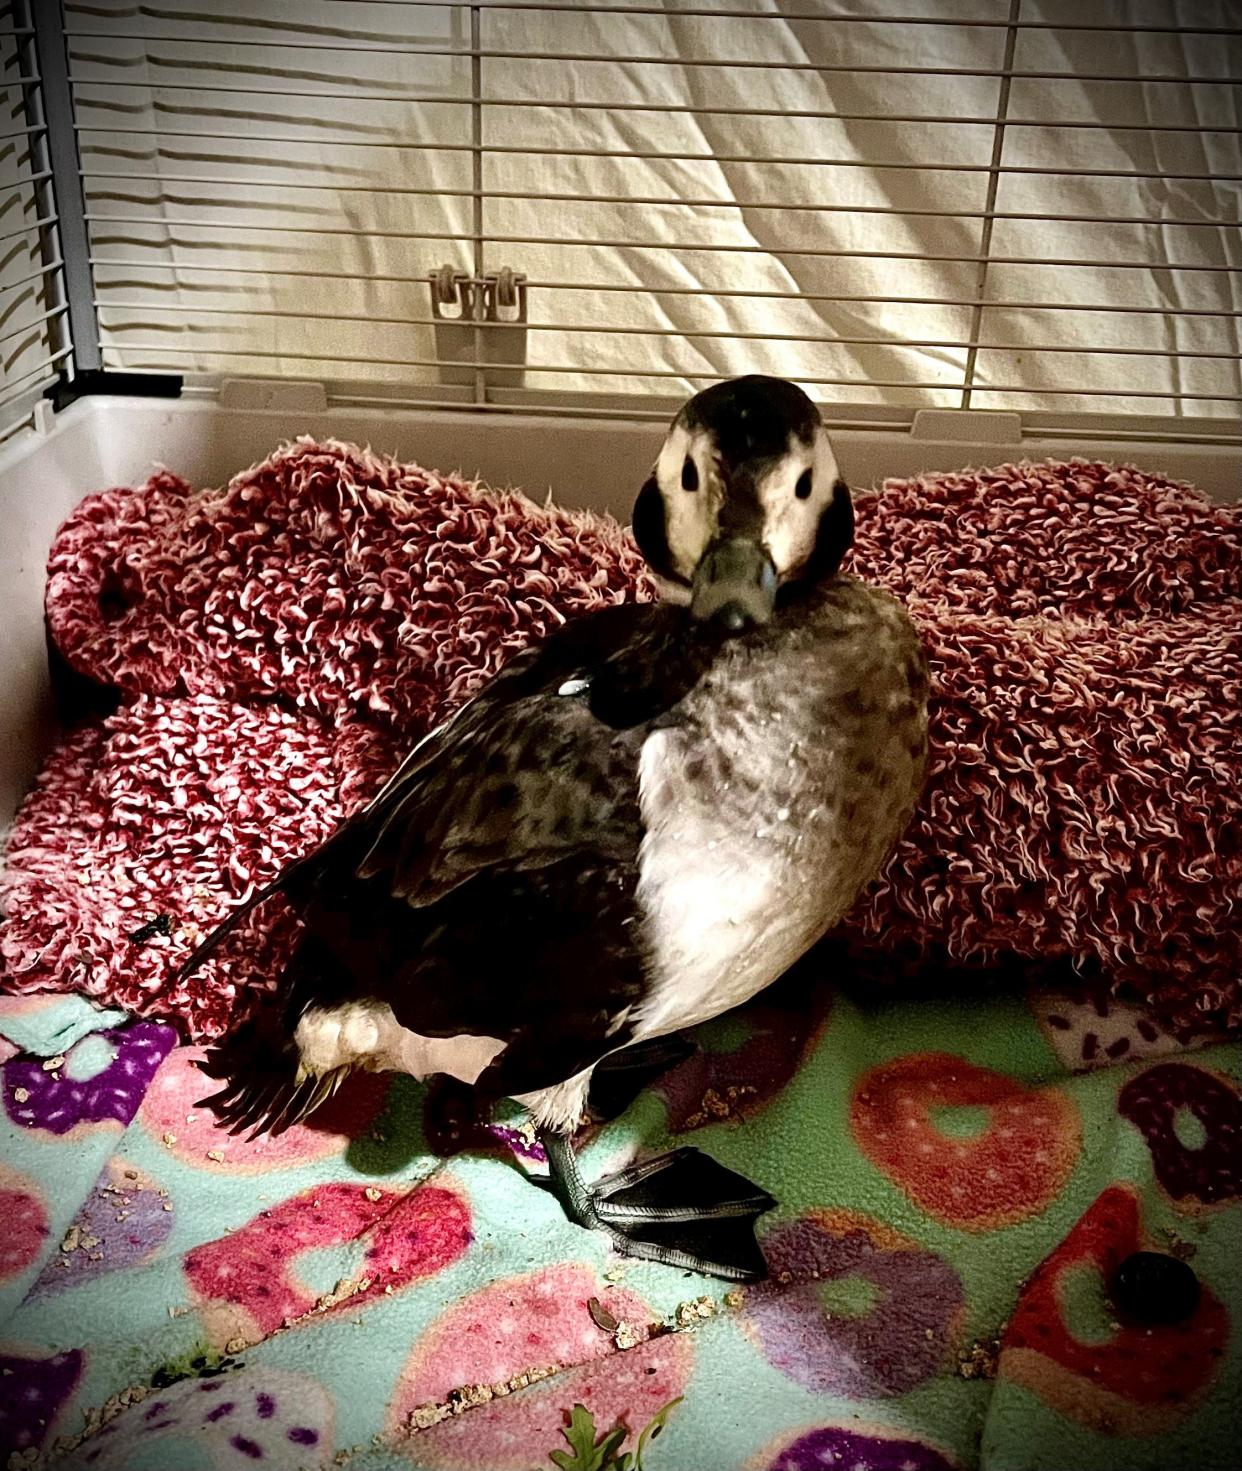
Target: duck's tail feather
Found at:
x=266, y=1089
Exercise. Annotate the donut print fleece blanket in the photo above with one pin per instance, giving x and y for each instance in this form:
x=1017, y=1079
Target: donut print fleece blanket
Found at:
x=957, y=1186
x=961, y=1162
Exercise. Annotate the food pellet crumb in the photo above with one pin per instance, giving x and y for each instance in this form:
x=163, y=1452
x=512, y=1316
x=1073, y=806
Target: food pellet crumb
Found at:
x=131, y=1174
x=217, y=1155
x=21, y=1095
x=234, y=1345
x=71, y=1239
x=734, y=1299
x=169, y=1139
x=979, y=1360
x=468, y=1396
x=49, y=1064
x=372, y=1193
x=690, y=1312
x=166, y=1206
x=426, y=1416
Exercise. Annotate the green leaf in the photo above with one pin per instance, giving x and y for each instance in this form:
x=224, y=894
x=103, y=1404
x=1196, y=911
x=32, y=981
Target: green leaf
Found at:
x=654, y=1426
x=607, y=1448
x=604, y=1454
x=580, y=1433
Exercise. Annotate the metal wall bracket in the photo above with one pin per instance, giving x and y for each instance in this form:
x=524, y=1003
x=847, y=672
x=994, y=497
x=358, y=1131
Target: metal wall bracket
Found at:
x=89, y=382
x=480, y=326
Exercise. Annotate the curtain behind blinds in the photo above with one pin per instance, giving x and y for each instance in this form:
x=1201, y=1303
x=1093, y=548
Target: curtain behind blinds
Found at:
x=878, y=198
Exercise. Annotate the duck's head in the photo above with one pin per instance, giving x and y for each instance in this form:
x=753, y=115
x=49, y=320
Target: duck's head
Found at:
x=745, y=505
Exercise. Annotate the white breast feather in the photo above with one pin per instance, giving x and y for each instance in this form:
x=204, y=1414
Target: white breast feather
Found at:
x=724, y=916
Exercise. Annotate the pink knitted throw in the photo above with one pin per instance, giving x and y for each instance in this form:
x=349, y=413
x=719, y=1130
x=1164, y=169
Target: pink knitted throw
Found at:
x=277, y=643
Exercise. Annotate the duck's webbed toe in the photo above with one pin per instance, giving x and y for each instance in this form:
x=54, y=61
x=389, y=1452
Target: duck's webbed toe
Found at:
x=682, y=1209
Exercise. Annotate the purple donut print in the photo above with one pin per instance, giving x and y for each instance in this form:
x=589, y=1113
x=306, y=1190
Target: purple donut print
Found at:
x=710, y=1087
x=887, y=1350
x=34, y=1391
x=128, y=1219
x=36, y=1099
x=1204, y=1175
x=834, y=1449
x=238, y=1419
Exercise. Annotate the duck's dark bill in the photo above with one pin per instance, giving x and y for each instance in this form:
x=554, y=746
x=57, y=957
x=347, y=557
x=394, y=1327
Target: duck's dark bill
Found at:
x=735, y=585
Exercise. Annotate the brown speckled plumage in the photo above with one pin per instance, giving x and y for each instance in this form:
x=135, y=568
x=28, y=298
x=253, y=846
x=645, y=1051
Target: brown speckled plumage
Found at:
x=507, y=882
x=639, y=823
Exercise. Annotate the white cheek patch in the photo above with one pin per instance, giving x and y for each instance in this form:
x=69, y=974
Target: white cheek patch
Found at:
x=689, y=515
x=790, y=525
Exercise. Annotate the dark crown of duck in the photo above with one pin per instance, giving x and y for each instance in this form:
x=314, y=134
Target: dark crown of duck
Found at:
x=745, y=502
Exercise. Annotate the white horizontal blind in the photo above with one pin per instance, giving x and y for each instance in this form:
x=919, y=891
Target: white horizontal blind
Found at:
x=33, y=333
x=1028, y=204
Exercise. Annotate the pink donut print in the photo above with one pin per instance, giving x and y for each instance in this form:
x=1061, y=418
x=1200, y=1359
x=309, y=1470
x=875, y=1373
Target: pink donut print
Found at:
x=246, y=1283
x=169, y=1113
x=24, y=1213
x=523, y=1323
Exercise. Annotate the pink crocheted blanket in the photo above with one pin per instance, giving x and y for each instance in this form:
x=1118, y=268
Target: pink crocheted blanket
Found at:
x=277, y=643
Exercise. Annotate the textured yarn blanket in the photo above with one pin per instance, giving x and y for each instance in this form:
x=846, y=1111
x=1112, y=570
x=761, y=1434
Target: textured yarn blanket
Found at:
x=270, y=648
x=953, y=1201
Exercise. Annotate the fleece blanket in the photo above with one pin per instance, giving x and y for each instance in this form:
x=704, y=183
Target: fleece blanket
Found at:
x=957, y=1179
x=270, y=648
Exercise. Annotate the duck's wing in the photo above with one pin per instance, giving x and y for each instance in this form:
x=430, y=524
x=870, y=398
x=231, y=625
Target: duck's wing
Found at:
x=532, y=768
x=488, y=889
x=540, y=765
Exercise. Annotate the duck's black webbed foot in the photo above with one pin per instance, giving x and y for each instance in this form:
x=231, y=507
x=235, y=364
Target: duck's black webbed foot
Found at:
x=682, y=1209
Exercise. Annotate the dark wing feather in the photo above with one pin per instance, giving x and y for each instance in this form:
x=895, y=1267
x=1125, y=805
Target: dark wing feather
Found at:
x=525, y=775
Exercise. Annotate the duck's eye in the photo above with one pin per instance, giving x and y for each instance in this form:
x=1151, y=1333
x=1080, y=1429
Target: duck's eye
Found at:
x=689, y=475
x=803, y=488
